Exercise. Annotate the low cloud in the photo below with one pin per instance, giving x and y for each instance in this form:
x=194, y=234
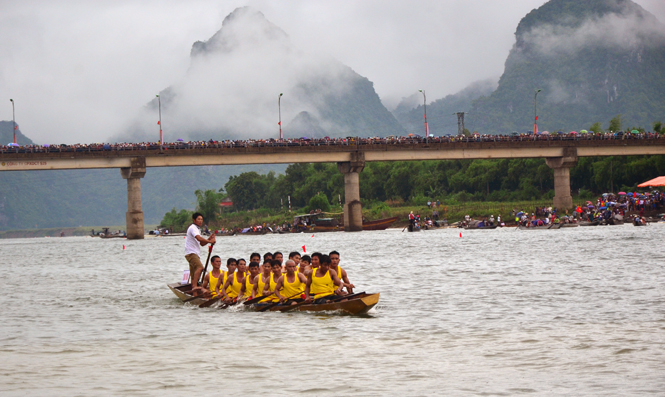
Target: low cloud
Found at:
x=232, y=86
x=628, y=29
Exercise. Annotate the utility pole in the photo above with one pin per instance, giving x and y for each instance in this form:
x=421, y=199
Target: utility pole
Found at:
x=279, y=109
x=535, y=112
x=161, y=136
x=13, y=118
x=425, y=105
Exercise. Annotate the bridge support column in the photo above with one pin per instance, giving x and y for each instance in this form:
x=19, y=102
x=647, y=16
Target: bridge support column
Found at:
x=134, y=216
x=561, y=167
x=353, y=215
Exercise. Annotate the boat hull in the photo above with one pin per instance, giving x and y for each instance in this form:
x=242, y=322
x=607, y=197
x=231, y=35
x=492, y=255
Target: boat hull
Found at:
x=355, y=306
x=183, y=292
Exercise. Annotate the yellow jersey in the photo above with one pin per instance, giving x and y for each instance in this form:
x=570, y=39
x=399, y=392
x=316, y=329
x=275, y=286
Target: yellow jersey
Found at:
x=295, y=288
x=321, y=286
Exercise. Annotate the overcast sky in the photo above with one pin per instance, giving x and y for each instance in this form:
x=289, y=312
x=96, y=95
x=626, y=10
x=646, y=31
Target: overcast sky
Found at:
x=79, y=70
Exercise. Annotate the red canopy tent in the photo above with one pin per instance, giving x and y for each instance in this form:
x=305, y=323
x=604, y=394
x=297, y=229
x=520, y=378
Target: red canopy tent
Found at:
x=660, y=181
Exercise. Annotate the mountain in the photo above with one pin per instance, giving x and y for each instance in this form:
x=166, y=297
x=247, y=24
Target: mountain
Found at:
x=441, y=116
x=7, y=135
x=67, y=198
x=232, y=86
x=593, y=60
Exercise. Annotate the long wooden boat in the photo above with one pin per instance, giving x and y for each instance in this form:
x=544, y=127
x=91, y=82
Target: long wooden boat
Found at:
x=329, y=225
x=360, y=304
x=379, y=224
x=184, y=292
x=480, y=228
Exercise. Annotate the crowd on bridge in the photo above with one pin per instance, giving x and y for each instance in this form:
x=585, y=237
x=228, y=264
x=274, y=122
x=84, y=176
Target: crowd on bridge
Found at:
x=328, y=141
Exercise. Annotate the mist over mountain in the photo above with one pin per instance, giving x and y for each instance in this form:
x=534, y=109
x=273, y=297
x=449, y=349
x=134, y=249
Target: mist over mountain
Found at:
x=232, y=86
x=593, y=60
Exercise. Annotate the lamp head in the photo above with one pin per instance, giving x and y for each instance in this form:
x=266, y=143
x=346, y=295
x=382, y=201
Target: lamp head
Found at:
x=281, y=93
x=157, y=96
x=11, y=100
x=537, y=91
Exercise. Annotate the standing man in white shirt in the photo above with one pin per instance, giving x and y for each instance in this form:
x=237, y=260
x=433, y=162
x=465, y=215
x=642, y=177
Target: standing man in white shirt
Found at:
x=193, y=243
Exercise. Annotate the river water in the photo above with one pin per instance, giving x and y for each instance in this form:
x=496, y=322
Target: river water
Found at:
x=577, y=311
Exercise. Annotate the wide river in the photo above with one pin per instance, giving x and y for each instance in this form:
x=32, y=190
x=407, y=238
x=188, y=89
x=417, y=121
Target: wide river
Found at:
x=578, y=311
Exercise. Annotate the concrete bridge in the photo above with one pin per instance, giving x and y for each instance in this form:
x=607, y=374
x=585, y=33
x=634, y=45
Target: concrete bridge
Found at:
x=350, y=157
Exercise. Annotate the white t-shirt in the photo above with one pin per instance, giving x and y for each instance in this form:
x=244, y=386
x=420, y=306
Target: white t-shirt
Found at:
x=192, y=245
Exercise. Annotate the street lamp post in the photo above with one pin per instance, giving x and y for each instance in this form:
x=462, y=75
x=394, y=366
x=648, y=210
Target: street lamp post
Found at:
x=161, y=136
x=535, y=112
x=425, y=105
x=279, y=109
x=13, y=118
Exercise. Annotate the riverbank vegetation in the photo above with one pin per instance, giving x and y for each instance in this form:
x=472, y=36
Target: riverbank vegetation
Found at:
x=474, y=187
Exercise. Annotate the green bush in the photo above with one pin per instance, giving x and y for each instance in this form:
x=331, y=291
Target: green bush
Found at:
x=320, y=201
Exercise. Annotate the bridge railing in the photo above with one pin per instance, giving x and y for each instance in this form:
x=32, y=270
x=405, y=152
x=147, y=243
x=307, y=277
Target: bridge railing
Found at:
x=349, y=141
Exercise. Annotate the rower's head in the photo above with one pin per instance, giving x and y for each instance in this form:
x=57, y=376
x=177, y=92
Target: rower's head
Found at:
x=242, y=266
x=255, y=257
x=305, y=260
x=324, y=262
x=334, y=258
x=267, y=266
x=278, y=256
x=295, y=256
x=316, y=259
x=231, y=264
x=197, y=219
x=216, y=262
x=276, y=267
x=290, y=267
x=253, y=269
x=267, y=255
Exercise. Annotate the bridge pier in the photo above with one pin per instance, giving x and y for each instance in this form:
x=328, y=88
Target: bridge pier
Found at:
x=134, y=215
x=353, y=215
x=561, y=167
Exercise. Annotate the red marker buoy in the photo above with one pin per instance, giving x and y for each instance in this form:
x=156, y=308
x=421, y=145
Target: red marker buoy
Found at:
x=460, y=234
x=123, y=247
x=304, y=250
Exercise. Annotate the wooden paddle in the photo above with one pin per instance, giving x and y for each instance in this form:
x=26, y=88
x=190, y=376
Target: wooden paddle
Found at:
x=209, y=302
x=249, y=302
x=341, y=297
x=289, y=308
x=203, y=273
x=270, y=306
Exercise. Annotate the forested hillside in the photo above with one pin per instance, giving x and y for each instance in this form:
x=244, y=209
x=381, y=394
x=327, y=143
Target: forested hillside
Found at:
x=451, y=182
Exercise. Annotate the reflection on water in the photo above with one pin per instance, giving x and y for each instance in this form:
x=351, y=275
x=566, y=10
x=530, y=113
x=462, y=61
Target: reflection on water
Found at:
x=577, y=311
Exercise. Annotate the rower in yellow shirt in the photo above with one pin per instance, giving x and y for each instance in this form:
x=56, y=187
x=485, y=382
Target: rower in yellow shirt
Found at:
x=210, y=280
x=269, y=288
x=247, y=287
x=322, y=282
x=290, y=285
x=231, y=265
x=262, y=279
x=341, y=273
x=234, y=282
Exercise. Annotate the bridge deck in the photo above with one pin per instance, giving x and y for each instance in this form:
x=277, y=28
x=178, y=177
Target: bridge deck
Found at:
x=221, y=153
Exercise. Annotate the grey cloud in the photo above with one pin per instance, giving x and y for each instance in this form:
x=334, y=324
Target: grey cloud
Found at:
x=611, y=30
